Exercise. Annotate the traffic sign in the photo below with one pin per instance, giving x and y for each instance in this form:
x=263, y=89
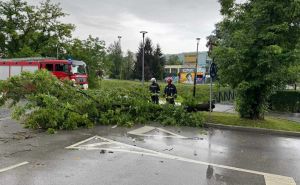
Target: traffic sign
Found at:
x=213, y=70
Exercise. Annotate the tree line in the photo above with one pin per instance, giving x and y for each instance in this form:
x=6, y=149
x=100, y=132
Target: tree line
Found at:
x=37, y=31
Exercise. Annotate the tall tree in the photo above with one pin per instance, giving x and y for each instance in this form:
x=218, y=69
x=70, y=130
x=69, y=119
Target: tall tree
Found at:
x=128, y=67
x=148, y=60
x=257, y=45
x=31, y=31
x=154, y=61
x=91, y=51
x=158, y=63
x=115, y=59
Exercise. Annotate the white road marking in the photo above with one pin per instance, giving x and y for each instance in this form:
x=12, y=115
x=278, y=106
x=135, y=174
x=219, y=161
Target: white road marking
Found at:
x=84, y=141
x=270, y=179
x=120, y=147
x=14, y=166
x=274, y=180
x=143, y=130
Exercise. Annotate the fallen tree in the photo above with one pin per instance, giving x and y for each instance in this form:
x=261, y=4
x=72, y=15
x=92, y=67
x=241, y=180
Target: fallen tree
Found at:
x=54, y=104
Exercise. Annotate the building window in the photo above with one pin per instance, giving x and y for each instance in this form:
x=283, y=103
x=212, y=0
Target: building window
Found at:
x=174, y=70
x=61, y=67
x=49, y=67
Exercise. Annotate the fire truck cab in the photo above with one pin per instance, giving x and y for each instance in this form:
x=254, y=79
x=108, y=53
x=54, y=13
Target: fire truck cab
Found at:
x=62, y=69
x=78, y=73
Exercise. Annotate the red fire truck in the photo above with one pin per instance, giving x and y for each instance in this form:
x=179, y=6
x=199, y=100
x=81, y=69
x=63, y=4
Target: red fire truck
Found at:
x=62, y=69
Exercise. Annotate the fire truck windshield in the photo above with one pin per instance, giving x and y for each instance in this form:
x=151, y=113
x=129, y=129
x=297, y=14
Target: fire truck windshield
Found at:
x=78, y=69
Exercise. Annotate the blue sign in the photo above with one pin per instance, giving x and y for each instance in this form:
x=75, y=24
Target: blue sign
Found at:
x=213, y=70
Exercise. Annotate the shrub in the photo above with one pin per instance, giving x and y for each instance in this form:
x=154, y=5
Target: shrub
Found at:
x=286, y=101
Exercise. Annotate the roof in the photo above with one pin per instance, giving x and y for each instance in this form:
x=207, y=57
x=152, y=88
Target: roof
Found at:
x=78, y=62
x=26, y=59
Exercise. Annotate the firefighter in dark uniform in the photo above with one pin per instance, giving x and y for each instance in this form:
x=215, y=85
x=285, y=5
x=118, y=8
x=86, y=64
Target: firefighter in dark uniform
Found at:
x=154, y=90
x=170, y=92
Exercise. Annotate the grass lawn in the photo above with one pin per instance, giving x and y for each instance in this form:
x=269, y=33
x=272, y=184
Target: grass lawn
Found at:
x=183, y=90
x=202, y=95
x=268, y=123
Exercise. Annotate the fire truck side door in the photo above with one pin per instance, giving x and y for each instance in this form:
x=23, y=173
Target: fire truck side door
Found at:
x=61, y=71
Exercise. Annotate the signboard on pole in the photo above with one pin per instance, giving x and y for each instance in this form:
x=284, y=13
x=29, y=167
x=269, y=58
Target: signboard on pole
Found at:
x=213, y=70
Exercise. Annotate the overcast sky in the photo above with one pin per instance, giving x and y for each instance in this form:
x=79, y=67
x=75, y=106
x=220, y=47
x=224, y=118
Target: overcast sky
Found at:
x=174, y=24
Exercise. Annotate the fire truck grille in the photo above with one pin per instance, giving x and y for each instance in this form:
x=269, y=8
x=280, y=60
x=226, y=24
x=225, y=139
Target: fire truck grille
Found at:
x=80, y=80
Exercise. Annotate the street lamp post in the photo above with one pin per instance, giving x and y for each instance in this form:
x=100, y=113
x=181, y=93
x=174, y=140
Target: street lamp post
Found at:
x=195, y=79
x=57, y=51
x=119, y=37
x=143, y=59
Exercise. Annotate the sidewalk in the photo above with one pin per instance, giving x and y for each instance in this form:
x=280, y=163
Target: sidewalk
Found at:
x=224, y=108
x=227, y=108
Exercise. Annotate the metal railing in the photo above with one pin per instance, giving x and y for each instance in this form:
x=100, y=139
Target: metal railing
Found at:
x=224, y=96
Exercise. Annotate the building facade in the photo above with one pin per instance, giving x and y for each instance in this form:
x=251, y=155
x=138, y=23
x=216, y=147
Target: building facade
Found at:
x=187, y=69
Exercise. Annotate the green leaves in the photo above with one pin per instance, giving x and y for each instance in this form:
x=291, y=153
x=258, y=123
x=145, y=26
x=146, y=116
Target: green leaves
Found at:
x=257, y=44
x=154, y=61
x=226, y=6
x=91, y=51
x=28, y=31
x=44, y=102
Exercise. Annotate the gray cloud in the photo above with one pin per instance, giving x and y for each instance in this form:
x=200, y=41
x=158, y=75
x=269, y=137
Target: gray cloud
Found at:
x=174, y=24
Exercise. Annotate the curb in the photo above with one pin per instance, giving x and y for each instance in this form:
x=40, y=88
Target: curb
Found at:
x=252, y=129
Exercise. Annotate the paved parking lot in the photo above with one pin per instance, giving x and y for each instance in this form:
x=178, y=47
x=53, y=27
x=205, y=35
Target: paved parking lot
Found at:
x=146, y=156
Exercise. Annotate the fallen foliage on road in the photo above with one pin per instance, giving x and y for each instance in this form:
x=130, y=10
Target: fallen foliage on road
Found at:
x=44, y=102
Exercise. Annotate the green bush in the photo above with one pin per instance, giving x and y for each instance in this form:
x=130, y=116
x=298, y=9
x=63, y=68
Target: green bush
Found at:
x=285, y=101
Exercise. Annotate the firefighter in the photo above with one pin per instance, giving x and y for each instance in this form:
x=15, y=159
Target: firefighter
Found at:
x=154, y=90
x=170, y=92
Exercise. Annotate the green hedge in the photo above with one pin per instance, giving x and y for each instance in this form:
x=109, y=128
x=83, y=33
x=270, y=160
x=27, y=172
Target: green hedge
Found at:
x=285, y=101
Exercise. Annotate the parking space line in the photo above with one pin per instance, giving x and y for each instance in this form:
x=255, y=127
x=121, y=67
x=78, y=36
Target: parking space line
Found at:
x=270, y=179
x=143, y=130
x=84, y=141
x=13, y=166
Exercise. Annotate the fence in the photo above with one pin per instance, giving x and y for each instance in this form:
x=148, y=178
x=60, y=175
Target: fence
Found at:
x=224, y=96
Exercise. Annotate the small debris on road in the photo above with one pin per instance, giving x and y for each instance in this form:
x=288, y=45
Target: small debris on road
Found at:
x=102, y=151
x=168, y=149
x=195, y=153
x=197, y=138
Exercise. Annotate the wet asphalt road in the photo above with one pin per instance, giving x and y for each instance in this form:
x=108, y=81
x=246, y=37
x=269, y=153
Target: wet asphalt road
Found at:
x=50, y=163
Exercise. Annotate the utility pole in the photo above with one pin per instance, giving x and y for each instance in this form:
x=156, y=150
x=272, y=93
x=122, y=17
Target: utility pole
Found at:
x=211, y=80
x=57, y=51
x=195, y=78
x=143, y=60
x=119, y=37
